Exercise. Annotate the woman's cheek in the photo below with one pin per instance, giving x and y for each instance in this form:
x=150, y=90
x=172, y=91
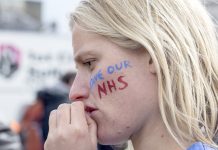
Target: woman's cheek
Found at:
x=110, y=80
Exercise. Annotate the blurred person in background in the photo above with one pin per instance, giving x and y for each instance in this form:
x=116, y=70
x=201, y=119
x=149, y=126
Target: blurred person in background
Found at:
x=9, y=140
x=123, y=146
x=34, y=123
x=53, y=96
x=31, y=131
x=113, y=147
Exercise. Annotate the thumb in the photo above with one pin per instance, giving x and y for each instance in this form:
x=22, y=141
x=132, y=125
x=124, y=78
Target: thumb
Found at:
x=92, y=129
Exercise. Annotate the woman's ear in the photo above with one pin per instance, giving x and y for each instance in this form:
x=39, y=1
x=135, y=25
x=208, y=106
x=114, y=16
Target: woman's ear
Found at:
x=151, y=65
x=149, y=60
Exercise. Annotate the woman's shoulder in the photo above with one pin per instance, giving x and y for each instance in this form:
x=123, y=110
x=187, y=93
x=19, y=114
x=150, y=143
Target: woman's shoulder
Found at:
x=201, y=146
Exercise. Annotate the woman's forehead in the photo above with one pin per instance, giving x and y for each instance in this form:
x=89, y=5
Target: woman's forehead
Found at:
x=82, y=38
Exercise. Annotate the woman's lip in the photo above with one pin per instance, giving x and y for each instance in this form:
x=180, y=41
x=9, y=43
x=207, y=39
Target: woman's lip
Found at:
x=89, y=109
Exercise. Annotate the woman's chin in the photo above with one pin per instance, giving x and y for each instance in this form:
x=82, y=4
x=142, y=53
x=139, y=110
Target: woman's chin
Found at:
x=110, y=139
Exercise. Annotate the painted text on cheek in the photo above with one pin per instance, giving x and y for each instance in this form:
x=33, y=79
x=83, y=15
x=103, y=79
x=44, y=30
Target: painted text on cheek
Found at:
x=111, y=86
x=98, y=76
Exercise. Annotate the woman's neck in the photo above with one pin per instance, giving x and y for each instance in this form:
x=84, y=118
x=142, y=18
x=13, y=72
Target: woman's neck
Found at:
x=154, y=136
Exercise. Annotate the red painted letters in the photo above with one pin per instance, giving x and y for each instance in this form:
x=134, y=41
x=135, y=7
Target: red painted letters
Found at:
x=110, y=86
x=125, y=84
x=102, y=89
x=107, y=86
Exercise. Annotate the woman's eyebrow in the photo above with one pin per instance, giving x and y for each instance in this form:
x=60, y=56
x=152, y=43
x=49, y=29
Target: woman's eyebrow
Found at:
x=81, y=53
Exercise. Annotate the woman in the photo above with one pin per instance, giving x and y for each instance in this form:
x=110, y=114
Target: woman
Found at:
x=147, y=71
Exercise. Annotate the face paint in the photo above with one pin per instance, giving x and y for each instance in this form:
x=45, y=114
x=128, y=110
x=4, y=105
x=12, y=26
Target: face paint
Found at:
x=102, y=89
x=97, y=76
x=111, y=86
x=120, y=80
x=118, y=67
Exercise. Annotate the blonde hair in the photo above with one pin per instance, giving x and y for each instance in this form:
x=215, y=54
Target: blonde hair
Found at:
x=180, y=37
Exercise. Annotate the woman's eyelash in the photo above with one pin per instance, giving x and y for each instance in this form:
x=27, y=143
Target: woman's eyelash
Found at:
x=88, y=62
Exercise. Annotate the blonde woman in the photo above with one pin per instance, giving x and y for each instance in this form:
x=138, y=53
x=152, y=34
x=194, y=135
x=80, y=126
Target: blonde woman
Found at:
x=147, y=71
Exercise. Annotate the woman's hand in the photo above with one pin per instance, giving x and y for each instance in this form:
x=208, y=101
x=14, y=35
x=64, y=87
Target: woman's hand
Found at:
x=70, y=128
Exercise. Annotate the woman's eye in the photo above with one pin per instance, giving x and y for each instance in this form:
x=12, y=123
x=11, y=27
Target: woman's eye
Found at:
x=89, y=63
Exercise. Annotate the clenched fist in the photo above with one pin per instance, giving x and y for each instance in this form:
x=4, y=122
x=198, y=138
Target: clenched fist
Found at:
x=70, y=128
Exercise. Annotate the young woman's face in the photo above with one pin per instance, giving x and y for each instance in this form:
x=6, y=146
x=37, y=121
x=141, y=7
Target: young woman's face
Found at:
x=118, y=86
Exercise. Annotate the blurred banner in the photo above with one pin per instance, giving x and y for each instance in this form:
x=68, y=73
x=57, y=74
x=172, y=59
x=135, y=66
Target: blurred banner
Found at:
x=28, y=62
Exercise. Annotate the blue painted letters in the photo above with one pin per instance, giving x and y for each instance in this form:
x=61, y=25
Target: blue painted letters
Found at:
x=109, y=70
x=118, y=67
x=97, y=76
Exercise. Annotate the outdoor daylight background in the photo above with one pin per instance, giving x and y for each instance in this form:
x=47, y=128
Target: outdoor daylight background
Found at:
x=35, y=49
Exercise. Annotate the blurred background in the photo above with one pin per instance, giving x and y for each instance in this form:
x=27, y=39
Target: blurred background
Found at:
x=36, y=68
x=36, y=52
x=35, y=49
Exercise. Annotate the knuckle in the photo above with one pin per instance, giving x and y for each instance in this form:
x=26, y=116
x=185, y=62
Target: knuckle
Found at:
x=78, y=104
x=64, y=105
x=53, y=112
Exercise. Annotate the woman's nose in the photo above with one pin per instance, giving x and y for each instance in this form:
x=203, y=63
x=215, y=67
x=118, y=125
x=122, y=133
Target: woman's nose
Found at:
x=79, y=90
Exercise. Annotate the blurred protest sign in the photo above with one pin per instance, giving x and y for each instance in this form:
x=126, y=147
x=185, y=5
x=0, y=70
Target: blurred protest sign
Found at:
x=29, y=61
